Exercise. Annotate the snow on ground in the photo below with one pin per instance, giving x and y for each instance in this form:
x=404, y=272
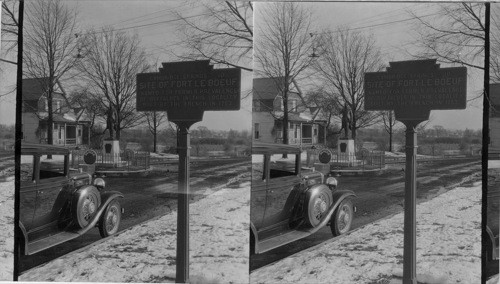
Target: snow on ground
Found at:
x=448, y=248
x=146, y=253
x=7, y=229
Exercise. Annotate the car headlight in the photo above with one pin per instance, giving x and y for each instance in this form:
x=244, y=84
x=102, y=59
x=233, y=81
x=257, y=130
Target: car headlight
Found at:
x=331, y=181
x=99, y=183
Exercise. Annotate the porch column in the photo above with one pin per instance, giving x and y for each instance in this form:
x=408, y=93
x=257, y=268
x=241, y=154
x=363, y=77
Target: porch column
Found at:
x=301, y=134
x=65, y=133
x=324, y=135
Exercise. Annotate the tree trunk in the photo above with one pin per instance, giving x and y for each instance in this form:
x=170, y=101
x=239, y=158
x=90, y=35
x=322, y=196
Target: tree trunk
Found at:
x=390, y=138
x=154, y=132
x=110, y=123
x=285, y=115
x=50, y=116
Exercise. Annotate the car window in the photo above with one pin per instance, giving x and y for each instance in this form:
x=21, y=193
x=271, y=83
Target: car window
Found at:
x=281, y=167
x=26, y=168
x=53, y=167
x=258, y=167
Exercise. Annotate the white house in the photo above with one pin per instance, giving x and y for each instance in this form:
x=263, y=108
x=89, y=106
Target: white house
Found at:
x=70, y=123
x=305, y=124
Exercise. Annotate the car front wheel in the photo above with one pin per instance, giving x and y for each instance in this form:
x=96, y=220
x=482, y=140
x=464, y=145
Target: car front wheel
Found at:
x=86, y=206
x=318, y=205
x=342, y=218
x=110, y=219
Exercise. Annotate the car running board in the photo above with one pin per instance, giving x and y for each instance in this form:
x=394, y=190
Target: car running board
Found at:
x=282, y=239
x=53, y=240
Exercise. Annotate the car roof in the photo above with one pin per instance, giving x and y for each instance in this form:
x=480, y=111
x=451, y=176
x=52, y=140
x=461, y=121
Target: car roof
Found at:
x=32, y=148
x=273, y=148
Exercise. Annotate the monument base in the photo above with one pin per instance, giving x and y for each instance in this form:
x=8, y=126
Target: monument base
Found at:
x=111, y=152
x=346, y=151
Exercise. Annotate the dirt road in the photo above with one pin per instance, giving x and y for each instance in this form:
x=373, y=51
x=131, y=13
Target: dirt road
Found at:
x=383, y=195
x=149, y=197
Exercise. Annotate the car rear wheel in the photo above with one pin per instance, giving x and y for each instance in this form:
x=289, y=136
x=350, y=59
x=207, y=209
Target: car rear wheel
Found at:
x=110, y=220
x=319, y=202
x=342, y=218
x=88, y=202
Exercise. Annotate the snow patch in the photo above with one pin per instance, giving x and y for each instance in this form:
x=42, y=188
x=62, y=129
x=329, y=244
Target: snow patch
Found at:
x=448, y=248
x=146, y=253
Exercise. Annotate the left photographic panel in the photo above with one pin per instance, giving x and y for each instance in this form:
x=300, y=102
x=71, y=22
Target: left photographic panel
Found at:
x=136, y=135
x=8, y=69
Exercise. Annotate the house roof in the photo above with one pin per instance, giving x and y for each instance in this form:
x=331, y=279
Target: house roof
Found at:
x=33, y=88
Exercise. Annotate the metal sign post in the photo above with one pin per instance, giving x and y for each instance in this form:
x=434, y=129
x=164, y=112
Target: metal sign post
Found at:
x=410, y=220
x=185, y=90
x=412, y=89
x=182, y=261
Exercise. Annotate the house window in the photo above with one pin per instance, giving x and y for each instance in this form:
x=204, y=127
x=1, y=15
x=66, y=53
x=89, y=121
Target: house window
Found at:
x=43, y=106
x=58, y=106
x=278, y=103
x=256, y=105
x=256, y=131
x=279, y=134
x=296, y=131
x=293, y=106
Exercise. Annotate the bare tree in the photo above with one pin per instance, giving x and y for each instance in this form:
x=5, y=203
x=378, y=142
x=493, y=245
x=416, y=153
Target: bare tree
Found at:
x=111, y=61
x=344, y=58
x=495, y=45
x=456, y=34
x=223, y=33
x=389, y=121
x=154, y=120
x=10, y=26
x=328, y=104
x=50, y=47
x=283, y=48
x=96, y=112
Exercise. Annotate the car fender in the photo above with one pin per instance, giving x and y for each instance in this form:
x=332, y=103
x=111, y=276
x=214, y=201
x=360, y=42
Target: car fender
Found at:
x=106, y=198
x=494, y=248
x=24, y=237
x=338, y=197
x=253, y=231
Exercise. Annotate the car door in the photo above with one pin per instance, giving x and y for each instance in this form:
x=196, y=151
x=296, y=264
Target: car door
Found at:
x=52, y=179
x=28, y=190
x=258, y=192
x=283, y=179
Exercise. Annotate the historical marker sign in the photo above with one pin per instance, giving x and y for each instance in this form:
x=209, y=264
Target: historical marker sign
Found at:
x=185, y=90
x=189, y=87
x=416, y=84
x=412, y=89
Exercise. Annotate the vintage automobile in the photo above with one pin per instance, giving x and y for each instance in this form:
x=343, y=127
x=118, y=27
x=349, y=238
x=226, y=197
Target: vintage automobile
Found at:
x=289, y=202
x=56, y=204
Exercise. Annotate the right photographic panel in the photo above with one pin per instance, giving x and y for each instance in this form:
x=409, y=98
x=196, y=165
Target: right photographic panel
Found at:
x=367, y=143
x=491, y=256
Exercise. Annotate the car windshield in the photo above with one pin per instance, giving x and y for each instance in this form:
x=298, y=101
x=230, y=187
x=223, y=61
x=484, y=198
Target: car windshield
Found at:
x=280, y=167
x=53, y=167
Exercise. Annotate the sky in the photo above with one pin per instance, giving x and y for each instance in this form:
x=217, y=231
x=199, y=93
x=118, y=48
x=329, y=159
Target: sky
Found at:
x=393, y=34
x=159, y=41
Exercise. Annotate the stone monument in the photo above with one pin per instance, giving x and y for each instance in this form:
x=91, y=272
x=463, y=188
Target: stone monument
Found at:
x=345, y=145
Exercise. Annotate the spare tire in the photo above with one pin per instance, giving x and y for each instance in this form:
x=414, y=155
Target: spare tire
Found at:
x=85, y=205
x=319, y=201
